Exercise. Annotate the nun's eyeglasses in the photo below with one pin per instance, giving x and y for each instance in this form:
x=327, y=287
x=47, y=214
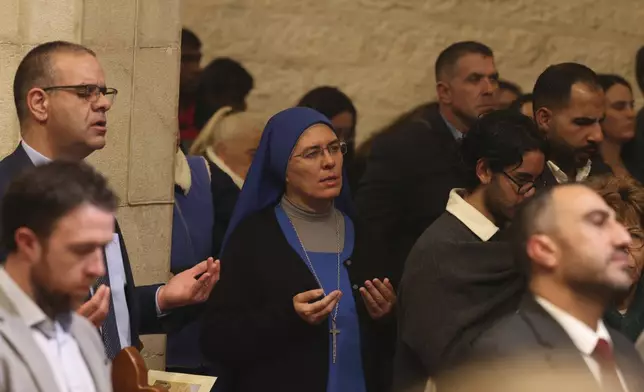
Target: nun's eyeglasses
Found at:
x=317, y=152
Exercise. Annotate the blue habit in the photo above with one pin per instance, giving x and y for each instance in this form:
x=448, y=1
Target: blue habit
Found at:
x=346, y=375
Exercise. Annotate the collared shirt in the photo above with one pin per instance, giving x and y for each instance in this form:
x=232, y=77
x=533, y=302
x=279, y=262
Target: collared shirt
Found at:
x=116, y=270
x=53, y=337
x=562, y=177
x=481, y=226
x=583, y=337
x=458, y=135
x=224, y=168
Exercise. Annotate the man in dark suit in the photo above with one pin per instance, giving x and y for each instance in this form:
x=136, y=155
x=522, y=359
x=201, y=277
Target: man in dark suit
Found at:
x=460, y=276
x=569, y=243
x=568, y=108
x=410, y=172
x=61, y=101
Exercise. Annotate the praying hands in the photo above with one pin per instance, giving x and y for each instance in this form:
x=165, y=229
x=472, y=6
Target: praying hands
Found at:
x=315, y=312
x=188, y=288
x=379, y=297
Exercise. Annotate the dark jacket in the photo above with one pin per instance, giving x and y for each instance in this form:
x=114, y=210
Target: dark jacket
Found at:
x=250, y=325
x=454, y=287
x=141, y=301
x=405, y=188
x=532, y=334
x=224, y=197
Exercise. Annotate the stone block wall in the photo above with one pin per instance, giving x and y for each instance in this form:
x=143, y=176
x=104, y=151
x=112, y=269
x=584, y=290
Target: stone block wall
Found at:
x=382, y=52
x=137, y=42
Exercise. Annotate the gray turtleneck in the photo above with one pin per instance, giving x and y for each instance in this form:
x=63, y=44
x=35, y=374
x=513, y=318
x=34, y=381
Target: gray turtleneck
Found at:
x=316, y=230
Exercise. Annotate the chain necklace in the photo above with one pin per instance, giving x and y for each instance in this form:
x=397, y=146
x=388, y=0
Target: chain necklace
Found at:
x=334, y=331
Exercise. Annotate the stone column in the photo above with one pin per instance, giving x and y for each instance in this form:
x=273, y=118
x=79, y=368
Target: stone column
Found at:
x=137, y=42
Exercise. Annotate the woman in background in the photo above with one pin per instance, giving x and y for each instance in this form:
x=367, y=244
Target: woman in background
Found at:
x=228, y=141
x=626, y=196
x=618, y=148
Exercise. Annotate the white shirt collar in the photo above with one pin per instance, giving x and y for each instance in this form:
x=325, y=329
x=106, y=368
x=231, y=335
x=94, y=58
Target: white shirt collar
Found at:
x=36, y=158
x=470, y=216
x=222, y=165
x=562, y=178
x=584, y=338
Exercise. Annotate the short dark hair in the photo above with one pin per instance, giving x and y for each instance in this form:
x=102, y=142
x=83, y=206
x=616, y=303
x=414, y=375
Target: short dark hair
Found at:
x=329, y=101
x=500, y=138
x=528, y=220
x=36, y=70
x=448, y=58
x=519, y=102
x=513, y=87
x=228, y=80
x=606, y=81
x=189, y=39
x=40, y=196
x=553, y=86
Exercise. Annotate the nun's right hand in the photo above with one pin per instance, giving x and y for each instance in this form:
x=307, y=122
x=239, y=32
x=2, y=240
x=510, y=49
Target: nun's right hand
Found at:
x=315, y=311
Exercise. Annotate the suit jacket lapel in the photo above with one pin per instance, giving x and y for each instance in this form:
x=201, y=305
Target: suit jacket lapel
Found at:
x=18, y=336
x=629, y=367
x=559, y=350
x=130, y=295
x=95, y=360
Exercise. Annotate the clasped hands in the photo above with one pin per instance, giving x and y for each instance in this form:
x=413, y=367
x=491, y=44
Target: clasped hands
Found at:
x=379, y=298
x=185, y=288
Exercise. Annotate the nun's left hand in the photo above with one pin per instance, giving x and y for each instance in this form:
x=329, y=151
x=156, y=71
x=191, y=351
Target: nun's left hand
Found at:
x=379, y=297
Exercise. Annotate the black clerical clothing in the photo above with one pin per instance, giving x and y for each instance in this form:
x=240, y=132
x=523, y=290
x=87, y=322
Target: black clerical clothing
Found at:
x=407, y=180
x=250, y=325
x=458, y=280
x=533, y=334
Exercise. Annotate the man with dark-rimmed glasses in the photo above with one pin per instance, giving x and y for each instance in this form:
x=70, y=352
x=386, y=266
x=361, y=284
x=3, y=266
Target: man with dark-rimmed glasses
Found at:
x=460, y=276
x=61, y=100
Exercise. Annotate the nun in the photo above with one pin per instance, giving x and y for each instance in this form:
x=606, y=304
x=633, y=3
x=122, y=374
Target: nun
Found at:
x=292, y=310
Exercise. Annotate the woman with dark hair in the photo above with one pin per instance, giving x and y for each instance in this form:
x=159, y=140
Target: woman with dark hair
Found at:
x=293, y=310
x=224, y=82
x=338, y=108
x=618, y=148
x=626, y=197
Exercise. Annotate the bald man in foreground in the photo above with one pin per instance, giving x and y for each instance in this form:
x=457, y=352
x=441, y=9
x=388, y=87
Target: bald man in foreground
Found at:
x=573, y=252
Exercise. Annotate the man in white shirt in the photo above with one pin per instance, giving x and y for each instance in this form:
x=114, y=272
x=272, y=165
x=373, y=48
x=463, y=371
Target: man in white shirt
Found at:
x=568, y=108
x=56, y=219
x=62, y=103
x=460, y=275
x=574, y=254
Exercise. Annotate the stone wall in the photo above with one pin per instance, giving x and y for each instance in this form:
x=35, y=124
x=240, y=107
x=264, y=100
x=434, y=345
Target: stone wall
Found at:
x=381, y=52
x=137, y=41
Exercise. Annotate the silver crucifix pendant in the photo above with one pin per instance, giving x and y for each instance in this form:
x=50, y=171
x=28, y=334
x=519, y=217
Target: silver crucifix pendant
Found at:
x=334, y=331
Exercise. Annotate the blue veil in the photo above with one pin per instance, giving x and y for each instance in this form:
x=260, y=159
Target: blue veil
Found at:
x=266, y=179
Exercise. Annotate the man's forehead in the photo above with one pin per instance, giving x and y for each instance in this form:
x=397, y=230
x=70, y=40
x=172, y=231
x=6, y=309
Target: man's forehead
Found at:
x=73, y=67
x=475, y=62
x=584, y=96
x=576, y=201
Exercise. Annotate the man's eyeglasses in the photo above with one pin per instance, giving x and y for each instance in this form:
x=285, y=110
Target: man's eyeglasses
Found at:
x=89, y=92
x=522, y=187
x=317, y=152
